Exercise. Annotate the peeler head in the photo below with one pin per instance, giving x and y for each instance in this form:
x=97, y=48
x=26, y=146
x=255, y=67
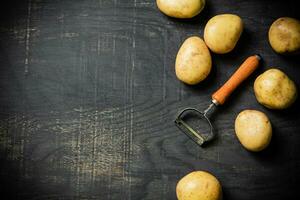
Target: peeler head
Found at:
x=182, y=122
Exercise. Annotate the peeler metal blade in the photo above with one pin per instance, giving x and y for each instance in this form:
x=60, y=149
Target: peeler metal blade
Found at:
x=198, y=137
x=189, y=131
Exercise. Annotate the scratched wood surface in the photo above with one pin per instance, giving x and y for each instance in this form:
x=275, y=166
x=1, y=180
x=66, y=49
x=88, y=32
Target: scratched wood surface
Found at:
x=88, y=96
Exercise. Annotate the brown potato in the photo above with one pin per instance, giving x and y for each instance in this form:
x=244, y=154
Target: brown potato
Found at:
x=253, y=129
x=180, y=8
x=199, y=185
x=193, y=61
x=222, y=32
x=275, y=90
x=284, y=35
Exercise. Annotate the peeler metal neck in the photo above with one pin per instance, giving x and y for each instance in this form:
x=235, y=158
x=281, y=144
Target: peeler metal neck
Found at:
x=210, y=108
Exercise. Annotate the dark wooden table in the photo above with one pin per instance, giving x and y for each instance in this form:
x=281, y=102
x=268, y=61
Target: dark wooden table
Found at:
x=88, y=96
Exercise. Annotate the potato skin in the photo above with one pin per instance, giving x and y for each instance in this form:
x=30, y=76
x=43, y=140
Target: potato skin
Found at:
x=275, y=90
x=253, y=129
x=222, y=32
x=284, y=35
x=179, y=8
x=199, y=185
x=193, y=61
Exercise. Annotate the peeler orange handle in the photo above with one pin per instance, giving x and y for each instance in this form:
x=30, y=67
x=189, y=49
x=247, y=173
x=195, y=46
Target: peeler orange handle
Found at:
x=242, y=73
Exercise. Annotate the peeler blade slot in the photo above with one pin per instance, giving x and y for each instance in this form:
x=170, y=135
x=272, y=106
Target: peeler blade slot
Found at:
x=189, y=131
x=196, y=136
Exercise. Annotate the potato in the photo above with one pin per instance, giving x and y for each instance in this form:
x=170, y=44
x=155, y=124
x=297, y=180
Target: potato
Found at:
x=222, y=32
x=274, y=89
x=193, y=61
x=253, y=129
x=179, y=8
x=199, y=185
x=284, y=35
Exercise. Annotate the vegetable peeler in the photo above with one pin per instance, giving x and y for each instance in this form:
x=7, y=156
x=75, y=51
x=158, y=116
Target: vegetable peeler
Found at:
x=218, y=98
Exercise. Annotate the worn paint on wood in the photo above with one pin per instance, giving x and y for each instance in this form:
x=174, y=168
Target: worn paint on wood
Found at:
x=89, y=94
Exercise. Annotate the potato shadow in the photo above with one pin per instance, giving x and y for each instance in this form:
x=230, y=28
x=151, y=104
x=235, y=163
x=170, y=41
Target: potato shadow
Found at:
x=226, y=193
x=226, y=59
x=271, y=154
x=236, y=97
x=240, y=50
x=217, y=59
x=292, y=59
x=199, y=19
x=290, y=113
x=206, y=85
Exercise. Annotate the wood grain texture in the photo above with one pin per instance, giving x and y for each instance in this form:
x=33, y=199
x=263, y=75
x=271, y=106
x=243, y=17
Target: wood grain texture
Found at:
x=89, y=94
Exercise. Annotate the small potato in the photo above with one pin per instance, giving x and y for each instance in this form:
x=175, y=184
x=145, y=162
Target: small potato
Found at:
x=222, y=32
x=181, y=8
x=253, y=129
x=284, y=35
x=193, y=61
x=275, y=90
x=199, y=185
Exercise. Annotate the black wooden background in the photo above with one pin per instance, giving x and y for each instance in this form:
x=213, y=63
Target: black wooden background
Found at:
x=88, y=96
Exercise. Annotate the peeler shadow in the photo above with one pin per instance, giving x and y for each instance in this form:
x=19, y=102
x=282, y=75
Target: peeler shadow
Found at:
x=214, y=142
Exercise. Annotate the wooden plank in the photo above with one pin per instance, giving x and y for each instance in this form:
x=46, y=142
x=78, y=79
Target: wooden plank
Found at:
x=88, y=98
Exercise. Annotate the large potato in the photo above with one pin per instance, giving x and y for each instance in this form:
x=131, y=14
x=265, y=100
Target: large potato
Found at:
x=180, y=8
x=274, y=89
x=284, y=35
x=193, y=61
x=253, y=129
x=199, y=185
x=222, y=32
